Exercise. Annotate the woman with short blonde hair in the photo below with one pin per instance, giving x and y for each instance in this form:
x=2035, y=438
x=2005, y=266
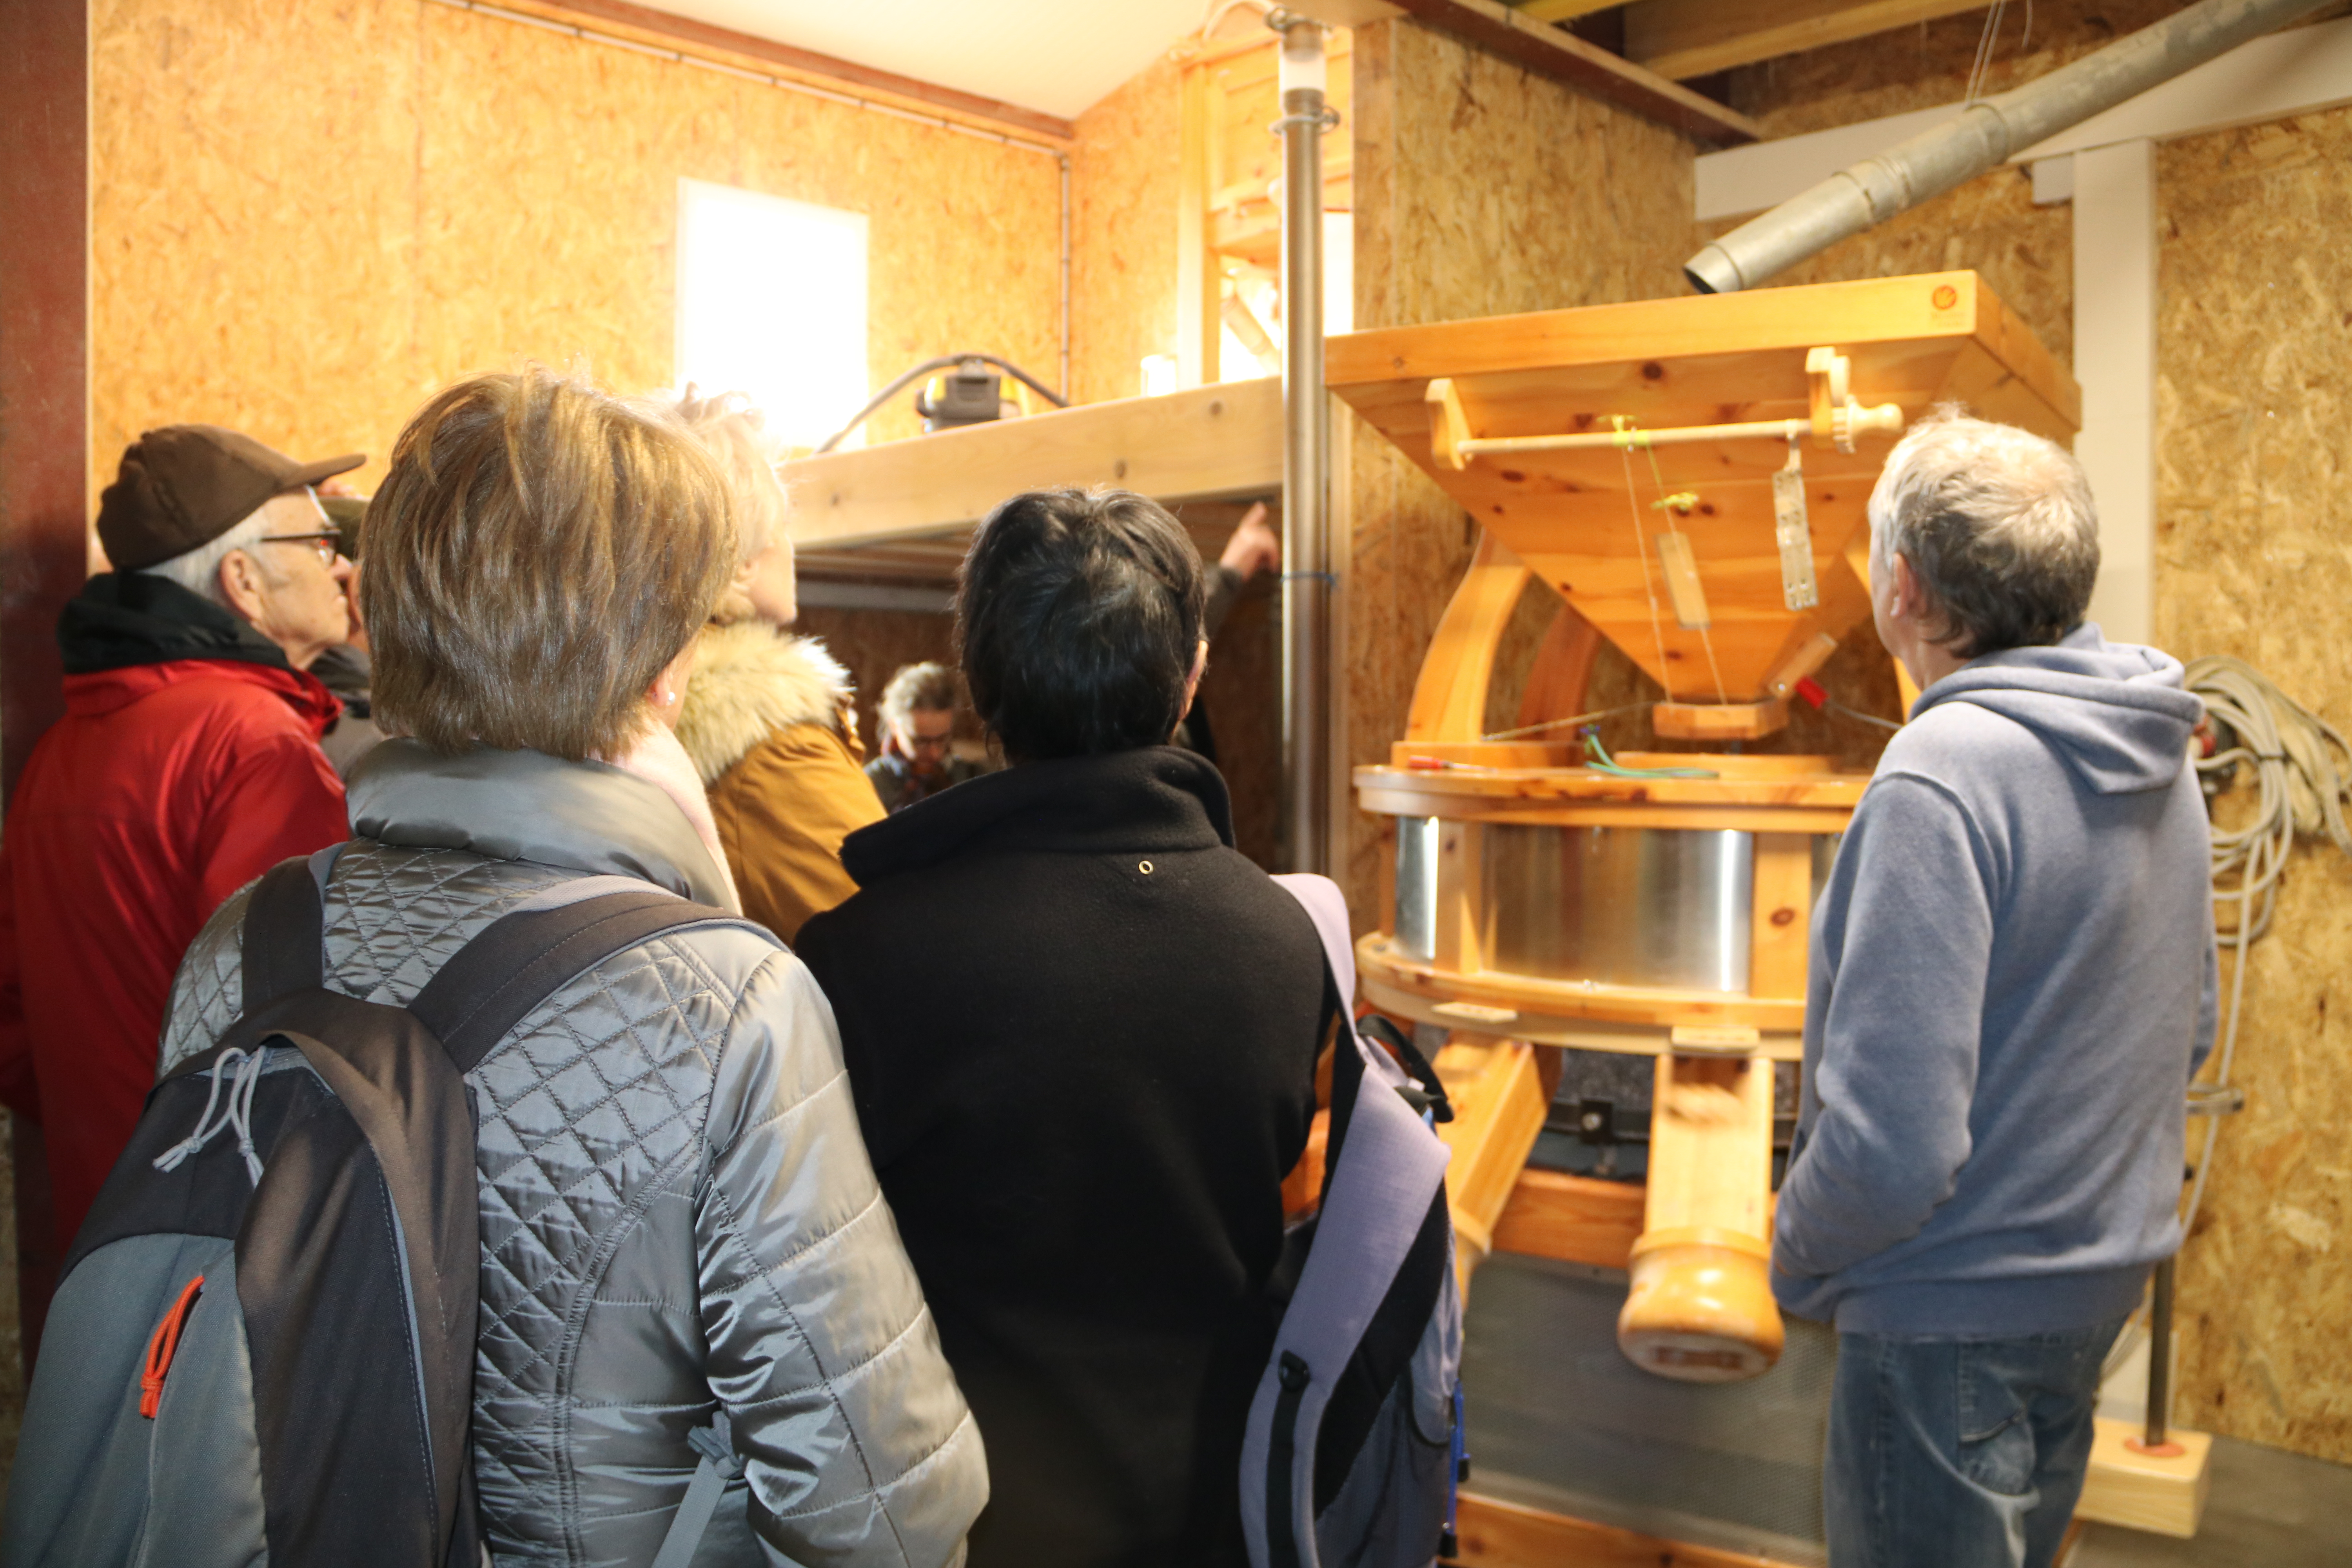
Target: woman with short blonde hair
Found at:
x=680, y=1228
x=768, y=717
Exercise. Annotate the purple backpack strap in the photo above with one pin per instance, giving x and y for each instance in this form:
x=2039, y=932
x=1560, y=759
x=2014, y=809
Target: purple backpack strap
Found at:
x=1388, y=1173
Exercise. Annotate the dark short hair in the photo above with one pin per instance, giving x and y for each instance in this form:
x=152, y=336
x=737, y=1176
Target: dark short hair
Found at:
x=1078, y=614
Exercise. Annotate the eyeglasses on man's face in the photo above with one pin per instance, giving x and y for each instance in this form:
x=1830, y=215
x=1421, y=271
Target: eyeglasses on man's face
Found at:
x=324, y=543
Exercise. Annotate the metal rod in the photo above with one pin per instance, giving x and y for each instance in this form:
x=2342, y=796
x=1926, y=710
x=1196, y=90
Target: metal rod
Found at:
x=1778, y=429
x=1984, y=133
x=1305, y=455
x=2160, y=1360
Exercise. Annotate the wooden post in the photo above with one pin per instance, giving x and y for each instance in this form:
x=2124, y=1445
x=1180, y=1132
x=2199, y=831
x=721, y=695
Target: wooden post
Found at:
x=1200, y=329
x=1783, y=912
x=1499, y=1102
x=44, y=445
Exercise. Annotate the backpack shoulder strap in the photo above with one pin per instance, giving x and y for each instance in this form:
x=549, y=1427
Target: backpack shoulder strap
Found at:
x=524, y=957
x=284, y=940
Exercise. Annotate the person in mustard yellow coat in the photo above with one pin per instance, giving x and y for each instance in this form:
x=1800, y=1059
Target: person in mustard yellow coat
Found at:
x=768, y=716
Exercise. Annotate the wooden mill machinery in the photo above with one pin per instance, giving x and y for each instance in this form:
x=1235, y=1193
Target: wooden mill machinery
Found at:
x=1690, y=476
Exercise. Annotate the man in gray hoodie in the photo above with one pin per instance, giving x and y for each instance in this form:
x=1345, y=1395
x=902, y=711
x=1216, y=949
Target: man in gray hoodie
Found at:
x=2013, y=979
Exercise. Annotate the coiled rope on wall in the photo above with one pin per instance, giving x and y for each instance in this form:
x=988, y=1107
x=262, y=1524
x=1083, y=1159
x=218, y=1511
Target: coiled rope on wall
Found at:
x=2301, y=769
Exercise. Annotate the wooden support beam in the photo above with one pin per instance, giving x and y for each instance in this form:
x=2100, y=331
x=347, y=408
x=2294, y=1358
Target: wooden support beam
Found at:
x=44, y=453
x=1209, y=442
x=1199, y=285
x=663, y=29
x=1783, y=912
x=1449, y=699
x=1547, y=51
x=1576, y=1220
x=1558, y=11
x=1499, y=1098
x=1682, y=39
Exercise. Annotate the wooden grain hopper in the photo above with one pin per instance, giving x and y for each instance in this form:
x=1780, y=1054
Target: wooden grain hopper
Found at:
x=1626, y=455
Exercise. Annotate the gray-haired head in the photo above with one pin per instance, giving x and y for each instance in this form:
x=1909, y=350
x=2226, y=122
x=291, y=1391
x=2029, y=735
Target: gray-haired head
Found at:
x=1998, y=526
x=198, y=570
x=927, y=685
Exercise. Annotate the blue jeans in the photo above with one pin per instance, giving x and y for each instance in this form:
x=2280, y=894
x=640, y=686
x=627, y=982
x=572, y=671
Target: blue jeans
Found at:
x=1958, y=1453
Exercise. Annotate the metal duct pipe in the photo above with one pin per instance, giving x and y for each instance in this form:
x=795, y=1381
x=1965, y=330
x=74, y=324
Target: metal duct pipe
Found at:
x=1305, y=455
x=1984, y=133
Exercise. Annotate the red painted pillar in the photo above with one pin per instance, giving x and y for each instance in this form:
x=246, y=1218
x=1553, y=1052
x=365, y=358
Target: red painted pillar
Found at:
x=44, y=440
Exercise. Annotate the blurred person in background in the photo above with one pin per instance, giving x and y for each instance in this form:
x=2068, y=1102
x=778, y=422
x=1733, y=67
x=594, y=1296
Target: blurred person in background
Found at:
x=344, y=668
x=187, y=763
x=680, y=1229
x=767, y=718
x=918, y=720
x=1250, y=549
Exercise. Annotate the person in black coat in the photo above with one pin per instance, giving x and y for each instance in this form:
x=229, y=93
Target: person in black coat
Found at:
x=1081, y=1031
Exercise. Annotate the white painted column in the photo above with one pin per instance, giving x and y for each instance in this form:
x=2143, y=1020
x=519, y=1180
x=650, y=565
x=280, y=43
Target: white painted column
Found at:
x=2114, y=361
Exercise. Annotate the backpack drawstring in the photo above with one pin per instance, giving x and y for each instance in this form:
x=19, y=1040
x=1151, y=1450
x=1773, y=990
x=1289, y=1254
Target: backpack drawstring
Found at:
x=236, y=1115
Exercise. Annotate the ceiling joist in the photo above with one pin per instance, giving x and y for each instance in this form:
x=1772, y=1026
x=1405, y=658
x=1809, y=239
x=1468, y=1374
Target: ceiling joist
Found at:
x=1684, y=39
x=1549, y=51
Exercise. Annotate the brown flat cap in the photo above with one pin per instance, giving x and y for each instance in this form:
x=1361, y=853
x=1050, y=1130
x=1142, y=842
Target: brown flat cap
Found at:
x=186, y=485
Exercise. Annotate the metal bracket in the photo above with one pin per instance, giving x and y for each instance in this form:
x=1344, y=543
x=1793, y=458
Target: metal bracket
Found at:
x=2216, y=1099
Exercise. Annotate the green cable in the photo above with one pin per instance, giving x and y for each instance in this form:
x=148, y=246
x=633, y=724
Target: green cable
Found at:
x=1598, y=756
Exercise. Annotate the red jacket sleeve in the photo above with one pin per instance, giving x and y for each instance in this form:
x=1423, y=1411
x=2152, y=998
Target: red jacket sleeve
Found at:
x=278, y=797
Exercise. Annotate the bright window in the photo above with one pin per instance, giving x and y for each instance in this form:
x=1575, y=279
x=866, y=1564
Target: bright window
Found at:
x=771, y=302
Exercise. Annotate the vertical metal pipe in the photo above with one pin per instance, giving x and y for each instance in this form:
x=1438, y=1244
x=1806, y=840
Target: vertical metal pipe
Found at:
x=2159, y=1361
x=1305, y=455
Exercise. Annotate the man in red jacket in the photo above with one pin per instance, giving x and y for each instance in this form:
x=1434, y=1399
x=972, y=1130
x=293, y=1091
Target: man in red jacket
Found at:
x=187, y=763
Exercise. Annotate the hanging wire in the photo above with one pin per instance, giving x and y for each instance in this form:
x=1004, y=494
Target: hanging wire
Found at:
x=1666, y=504
x=1987, y=42
x=1564, y=723
x=1597, y=759
x=1641, y=550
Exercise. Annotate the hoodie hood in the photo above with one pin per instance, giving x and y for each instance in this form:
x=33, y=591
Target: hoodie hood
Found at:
x=2117, y=712
x=125, y=618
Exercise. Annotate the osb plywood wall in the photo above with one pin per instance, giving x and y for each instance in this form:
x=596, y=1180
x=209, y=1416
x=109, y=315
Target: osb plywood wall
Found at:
x=1125, y=171
x=2254, y=559
x=2254, y=364
x=1461, y=159
x=306, y=217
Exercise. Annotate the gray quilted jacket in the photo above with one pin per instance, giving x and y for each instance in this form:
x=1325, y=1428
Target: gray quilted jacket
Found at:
x=678, y=1211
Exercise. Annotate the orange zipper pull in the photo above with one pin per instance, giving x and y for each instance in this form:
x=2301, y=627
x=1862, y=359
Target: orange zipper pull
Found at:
x=163, y=1345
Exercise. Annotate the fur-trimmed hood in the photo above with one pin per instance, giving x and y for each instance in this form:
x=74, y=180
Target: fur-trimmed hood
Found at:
x=751, y=681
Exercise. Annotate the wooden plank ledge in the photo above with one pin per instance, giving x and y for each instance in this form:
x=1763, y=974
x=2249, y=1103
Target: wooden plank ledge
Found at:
x=1205, y=443
x=1520, y=1006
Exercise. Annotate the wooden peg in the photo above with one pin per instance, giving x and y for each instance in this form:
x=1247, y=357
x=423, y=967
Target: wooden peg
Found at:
x=1448, y=425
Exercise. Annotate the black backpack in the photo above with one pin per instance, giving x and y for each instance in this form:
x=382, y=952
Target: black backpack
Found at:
x=262, y=1341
